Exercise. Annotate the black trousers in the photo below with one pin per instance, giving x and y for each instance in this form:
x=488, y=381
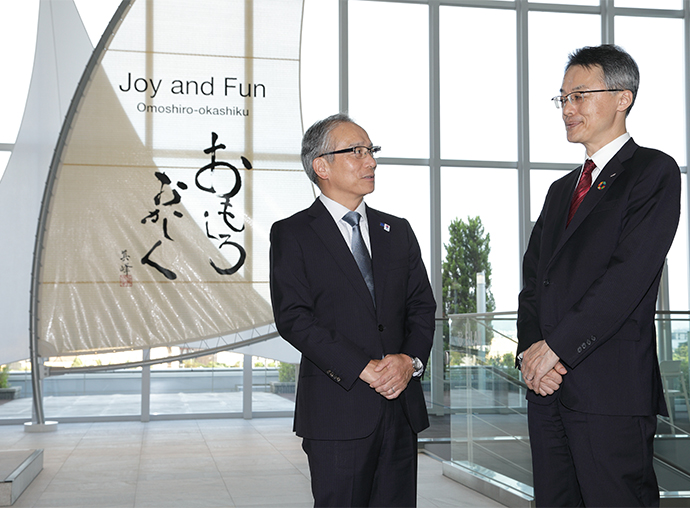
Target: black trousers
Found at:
x=379, y=470
x=581, y=459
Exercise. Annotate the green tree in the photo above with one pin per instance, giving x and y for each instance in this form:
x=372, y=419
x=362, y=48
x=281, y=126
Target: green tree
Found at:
x=4, y=376
x=286, y=372
x=467, y=253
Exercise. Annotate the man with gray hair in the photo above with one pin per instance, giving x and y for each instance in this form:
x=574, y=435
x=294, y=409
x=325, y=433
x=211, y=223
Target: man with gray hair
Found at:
x=586, y=334
x=350, y=292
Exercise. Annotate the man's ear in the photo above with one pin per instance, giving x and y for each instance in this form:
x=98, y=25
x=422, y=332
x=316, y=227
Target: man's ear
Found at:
x=625, y=100
x=320, y=168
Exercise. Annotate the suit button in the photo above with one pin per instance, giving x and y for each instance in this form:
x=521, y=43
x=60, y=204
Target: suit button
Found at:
x=546, y=282
x=381, y=328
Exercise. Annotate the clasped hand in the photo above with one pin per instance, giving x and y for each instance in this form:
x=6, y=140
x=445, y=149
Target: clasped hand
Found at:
x=541, y=369
x=389, y=376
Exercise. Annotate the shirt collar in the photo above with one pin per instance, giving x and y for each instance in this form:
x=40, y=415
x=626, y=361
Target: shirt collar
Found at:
x=605, y=154
x=337, y=210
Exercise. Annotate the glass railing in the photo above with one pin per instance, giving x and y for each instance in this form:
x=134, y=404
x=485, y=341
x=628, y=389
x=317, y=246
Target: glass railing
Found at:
x=198, y=388
x=489, y=438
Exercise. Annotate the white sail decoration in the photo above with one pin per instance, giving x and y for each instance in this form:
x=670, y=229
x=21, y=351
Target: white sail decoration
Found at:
x=180, y=151
x=62, y=51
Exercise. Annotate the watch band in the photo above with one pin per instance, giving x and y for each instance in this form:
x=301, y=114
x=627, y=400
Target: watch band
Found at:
x=418, y=367
x=519, y=360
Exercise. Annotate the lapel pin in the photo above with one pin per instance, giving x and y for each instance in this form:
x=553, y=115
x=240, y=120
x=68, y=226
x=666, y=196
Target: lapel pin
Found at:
x=385, y=227
x=601, y=185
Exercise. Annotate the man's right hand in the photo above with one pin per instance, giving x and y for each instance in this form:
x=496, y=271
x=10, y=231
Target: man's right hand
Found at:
x=369, y=374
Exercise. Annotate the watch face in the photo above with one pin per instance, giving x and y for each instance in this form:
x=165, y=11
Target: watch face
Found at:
x=417, y=363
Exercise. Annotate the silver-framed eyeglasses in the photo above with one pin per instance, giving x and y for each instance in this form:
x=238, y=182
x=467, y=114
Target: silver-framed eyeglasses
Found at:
x=360, y=152
x=576, y=98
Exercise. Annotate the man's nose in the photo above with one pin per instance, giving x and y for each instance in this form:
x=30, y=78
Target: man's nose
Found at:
x=370, y=160
x=568, y=108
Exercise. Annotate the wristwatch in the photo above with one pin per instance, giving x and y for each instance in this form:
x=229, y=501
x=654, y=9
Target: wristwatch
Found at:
x=519, y=360
x=418, y=367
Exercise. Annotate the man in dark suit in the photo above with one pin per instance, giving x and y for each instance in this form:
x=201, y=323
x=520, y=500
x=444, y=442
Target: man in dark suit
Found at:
x=587, y=343
x=364, y=332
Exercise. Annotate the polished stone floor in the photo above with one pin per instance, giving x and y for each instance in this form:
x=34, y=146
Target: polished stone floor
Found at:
x=189, y=464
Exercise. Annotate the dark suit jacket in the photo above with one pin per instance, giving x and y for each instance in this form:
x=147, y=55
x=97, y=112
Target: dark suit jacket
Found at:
x=590, y=290
x=322, y=307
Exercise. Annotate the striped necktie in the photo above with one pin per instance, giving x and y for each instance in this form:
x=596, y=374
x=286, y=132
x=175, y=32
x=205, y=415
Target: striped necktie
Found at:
x=359, y=251
x=581, y=190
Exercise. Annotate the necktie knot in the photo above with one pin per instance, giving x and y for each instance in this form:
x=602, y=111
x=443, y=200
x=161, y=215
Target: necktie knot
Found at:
x=352, y=218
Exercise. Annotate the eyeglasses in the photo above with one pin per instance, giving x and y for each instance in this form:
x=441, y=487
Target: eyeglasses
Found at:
x=576, y=98
x=360, y=152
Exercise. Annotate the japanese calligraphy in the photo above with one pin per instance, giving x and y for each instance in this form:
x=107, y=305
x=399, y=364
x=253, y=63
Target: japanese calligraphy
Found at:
x=225, y=202
x=154, y=216
x=125, y=267
x=166, y=203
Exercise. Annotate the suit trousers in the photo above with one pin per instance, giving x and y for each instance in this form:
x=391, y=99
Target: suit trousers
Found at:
x=581, y=459
x=378, y=470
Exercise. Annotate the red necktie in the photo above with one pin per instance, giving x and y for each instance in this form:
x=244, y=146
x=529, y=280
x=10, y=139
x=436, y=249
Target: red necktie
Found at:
x=582, y=187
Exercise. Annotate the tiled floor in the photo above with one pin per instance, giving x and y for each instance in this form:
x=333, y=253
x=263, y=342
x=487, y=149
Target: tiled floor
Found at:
x=188, y=464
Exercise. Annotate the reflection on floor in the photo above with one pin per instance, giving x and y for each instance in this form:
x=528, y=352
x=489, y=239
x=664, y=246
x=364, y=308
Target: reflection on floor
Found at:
x=189, y=463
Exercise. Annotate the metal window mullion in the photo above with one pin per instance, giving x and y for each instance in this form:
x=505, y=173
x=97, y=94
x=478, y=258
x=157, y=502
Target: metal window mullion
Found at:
x=522, y=45
x=343, y=64
x=435, y=143
x=437, y=365
x=607, y=22
x=686, y=27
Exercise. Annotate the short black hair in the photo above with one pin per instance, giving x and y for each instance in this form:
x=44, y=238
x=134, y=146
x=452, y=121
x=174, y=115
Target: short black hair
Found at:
x=618, y=67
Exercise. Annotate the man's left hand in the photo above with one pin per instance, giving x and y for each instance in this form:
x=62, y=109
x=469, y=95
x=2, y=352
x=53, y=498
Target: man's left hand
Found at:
x=542, y=369
x=396, y=371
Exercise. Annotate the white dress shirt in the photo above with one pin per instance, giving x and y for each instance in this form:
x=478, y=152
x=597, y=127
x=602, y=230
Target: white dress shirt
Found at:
x=605, y=154
x=337, y=211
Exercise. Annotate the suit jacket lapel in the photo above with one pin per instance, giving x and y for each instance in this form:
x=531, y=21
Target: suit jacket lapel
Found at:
x=328, y=232
x=379, y=236
x=557, y=230
x=599, y=188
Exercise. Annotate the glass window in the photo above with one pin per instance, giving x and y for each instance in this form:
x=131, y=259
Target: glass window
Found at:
x=658, y=116
x=657, y=119
x=566, y=2
x=478, y=75
x=650, y=4
x=540, y=180
x=319, y=65
x=199, y=385
x=389, y=75
x=404, y=191
x=87, y=394
x=487, y=193
x=650, y=108
x=549, y=46
x=678, y=258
